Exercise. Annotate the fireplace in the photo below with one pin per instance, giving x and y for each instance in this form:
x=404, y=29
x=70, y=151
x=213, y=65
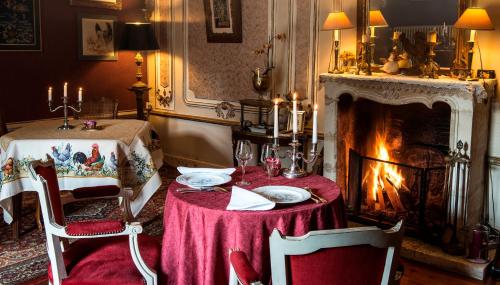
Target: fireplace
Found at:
x=387, y=137
x=392, y=162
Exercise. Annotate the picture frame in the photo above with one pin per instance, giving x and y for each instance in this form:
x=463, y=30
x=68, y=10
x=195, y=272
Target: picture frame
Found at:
x=223, y=21
x=301, y=121
x=97, y=37
x=20, y=31
x=105, y=4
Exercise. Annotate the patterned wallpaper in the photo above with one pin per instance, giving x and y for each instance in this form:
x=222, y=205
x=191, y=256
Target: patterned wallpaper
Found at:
x=302, y=42
x=222, y=71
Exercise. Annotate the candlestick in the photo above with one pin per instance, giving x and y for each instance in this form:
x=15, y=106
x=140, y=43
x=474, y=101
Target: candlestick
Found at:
x=276, y=118
x=295, y=171
x=364, y=38
x=294, y=113
x=315, y=124
x=65, y=106
x=432, y=37
x=372, y=32
x=396, y=35
x=80, y=94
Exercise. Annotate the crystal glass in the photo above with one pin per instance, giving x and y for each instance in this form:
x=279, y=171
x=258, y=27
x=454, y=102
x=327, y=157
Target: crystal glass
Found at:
x=270, y=158
x=243, y=154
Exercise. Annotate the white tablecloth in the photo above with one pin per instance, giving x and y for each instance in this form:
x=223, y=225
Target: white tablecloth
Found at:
x=124, y=153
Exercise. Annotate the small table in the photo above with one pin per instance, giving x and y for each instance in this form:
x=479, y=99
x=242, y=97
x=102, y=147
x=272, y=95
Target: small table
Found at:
x=260, y=139
x=199, y=231
x=125, y=153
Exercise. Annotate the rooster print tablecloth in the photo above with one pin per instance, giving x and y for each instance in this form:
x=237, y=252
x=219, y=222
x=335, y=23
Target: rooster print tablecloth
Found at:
x=125, y=153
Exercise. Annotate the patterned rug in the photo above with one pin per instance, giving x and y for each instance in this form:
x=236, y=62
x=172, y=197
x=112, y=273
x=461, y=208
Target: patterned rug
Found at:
x=26, y=259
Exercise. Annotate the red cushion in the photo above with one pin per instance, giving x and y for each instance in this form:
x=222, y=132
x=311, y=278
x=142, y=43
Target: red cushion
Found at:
x=50, y=175
x=108, y=261
x=93, y=192
x=352, y=265
x=245, y=272
x=85, y=228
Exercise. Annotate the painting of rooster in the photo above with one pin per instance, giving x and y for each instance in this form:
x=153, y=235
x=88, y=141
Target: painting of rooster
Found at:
x=94, y=162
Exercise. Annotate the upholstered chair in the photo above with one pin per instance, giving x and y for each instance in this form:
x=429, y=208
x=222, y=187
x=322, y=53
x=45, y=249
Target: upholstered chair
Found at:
x=352, y=256
x=104, y=251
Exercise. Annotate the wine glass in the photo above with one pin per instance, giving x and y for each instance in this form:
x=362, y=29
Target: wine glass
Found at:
x=243, y=154
x=270, y=158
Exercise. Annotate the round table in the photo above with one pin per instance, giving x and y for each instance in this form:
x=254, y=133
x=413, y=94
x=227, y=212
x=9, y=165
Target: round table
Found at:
x=199, y=231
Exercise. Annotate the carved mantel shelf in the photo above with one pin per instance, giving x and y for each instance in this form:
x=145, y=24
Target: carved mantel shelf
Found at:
x=469, y=117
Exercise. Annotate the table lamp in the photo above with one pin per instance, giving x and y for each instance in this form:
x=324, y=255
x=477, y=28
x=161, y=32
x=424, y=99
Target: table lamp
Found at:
x=377, y=20
x=139, y=37
x=335, y=22
x=473, y=19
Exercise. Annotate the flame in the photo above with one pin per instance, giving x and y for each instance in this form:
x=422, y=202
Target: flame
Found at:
x=381, y=171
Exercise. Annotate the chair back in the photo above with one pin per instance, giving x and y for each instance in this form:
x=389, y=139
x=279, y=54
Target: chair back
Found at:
x=100, y=108
x=3, y=124
x=366, y=255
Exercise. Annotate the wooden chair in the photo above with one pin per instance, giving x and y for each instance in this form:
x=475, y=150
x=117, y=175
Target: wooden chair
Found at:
x=355, y=256
x=106, y=252
x=100, y=108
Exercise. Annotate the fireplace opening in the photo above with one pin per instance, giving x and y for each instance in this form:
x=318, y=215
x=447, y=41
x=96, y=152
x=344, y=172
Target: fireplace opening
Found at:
x=391, y=160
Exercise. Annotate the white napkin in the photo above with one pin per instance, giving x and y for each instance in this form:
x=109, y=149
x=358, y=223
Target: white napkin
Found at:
x=187, y=170
x=242, y=199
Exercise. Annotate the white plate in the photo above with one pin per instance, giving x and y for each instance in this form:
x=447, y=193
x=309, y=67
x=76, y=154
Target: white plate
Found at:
x=283, y=194
x=203, y=179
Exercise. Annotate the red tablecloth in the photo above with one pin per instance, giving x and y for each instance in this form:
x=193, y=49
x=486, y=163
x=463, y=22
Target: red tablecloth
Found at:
x=199, y=231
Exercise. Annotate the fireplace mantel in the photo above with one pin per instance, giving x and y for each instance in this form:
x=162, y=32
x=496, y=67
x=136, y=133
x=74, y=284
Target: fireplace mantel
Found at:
x=463, y=97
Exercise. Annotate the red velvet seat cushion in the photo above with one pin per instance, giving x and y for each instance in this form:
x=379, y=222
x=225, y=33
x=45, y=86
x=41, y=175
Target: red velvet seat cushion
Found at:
x=85, y=228
x=351, y=265
x=244, y=270
x=108, y=261
x=97, y=191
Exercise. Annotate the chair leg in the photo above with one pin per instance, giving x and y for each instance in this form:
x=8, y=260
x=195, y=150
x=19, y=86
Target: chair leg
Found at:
x=17, y=205
x=38, y=215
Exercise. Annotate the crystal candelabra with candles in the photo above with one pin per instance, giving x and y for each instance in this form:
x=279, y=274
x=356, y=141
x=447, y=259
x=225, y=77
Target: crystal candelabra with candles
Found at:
x=295, y=171
x=65, y=106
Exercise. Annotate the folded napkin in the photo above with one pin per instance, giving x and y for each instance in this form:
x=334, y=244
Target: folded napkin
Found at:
x=187, y=170
x=242, y=199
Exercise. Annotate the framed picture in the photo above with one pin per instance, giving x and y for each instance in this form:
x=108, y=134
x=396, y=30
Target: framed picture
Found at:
x=107, y=4
x=20, y=25
x=223, y=21
x=301, y=122
x=97, y=37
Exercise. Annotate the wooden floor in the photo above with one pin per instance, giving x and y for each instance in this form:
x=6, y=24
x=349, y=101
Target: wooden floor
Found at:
x=420, y=274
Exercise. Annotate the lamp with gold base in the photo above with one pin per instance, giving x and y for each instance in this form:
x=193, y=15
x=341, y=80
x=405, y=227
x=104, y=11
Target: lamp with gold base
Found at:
x=139, y=37
x=335, y=22
x=377, y=20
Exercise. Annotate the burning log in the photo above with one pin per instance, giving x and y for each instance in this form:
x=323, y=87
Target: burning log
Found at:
x=392, y=193
x=380, y=196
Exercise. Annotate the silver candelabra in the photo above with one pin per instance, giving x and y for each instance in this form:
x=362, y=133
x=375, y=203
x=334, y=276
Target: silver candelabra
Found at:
x=295, y=170
x=65, y=107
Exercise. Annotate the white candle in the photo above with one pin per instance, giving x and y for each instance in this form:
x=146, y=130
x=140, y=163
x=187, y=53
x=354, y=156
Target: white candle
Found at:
x=276, y=118
x=65, y=89
x=315, y=124
x=336, y=36
x=472, y=36
x=372, y=32
x=294, y=113
x=80, y=94
x=364, y=38
x=50, y=93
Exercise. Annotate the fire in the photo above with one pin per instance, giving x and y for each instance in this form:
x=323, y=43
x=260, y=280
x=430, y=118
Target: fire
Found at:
x=383, y=175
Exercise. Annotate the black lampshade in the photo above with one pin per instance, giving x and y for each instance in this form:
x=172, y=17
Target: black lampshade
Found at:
x=138, y=36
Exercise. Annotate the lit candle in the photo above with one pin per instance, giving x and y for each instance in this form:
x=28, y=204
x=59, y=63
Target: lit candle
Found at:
x=472, y=36
x=80, y=94
x=396, y=35
x=294, y=113
x=336, y=36
x=65, y=89
x=432, y=37
x=276, y=120
x=50, y=94
x=315, y=124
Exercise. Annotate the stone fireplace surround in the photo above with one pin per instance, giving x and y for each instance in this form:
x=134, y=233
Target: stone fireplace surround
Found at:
x=470, y=118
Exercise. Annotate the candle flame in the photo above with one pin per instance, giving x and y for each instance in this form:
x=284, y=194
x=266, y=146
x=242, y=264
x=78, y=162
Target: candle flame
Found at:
x=315, y=107
x=295, y=96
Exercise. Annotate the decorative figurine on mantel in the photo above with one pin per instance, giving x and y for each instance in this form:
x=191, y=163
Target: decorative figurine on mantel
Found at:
x=261, y=78
x=65, y=106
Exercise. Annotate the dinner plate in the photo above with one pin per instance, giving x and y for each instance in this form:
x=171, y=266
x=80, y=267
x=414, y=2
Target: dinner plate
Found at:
x=283, y=194
x=203, y=179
